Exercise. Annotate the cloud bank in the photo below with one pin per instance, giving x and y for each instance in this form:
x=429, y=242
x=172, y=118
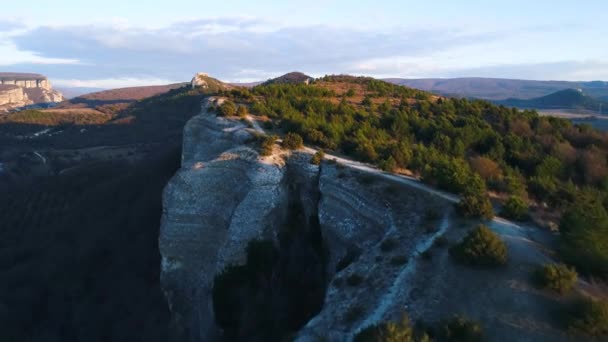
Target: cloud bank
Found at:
x=246, y=49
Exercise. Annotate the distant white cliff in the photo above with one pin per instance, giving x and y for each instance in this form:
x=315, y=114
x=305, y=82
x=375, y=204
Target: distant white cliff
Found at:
x=24, y=89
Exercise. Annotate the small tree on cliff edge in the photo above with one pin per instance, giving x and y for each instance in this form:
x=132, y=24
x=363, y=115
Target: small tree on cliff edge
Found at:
x=293, y=141
x=228, y=108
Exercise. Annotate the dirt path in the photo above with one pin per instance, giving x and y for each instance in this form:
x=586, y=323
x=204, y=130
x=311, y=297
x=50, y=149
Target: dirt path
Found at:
x=398, y=288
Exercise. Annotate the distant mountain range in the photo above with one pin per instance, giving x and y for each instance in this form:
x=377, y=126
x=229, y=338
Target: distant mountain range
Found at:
x=501, y=89
x=564, y=99
x=72, y=92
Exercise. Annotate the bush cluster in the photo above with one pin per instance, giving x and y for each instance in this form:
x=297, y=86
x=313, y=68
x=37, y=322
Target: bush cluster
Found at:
x=481, y=247
x=293, y=141
x=317, y=158
x=459, y=329
x=584, y=235
x=242, y=111
x=228, y=108
x=400, y=331
x=266, y=145
x=588, y=316
x=515, y=208
x=556, y=277
x=476, y=206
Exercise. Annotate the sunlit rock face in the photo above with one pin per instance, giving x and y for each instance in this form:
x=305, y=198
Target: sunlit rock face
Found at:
x=226, y=195
x=21, y=89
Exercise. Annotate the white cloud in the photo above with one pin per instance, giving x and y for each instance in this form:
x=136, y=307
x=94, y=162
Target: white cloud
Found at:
x=111, y=83
x=247, y=49
x=10, y=55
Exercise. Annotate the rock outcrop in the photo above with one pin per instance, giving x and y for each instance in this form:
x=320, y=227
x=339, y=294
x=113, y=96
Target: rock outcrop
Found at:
x=223, y=196
x=21, y=89
x=202, y=80
x=226, y=195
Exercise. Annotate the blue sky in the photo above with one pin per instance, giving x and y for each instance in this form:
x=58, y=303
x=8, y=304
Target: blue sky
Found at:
x=114, y=43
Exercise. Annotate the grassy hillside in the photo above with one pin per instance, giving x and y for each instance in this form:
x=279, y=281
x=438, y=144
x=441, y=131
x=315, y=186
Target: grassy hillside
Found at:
x=125, y=94
x=56, y=117
x=289, y=78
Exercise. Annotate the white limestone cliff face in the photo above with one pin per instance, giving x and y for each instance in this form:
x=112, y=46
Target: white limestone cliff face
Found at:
x=19, y=90
x=225, y=195
x=12, y=95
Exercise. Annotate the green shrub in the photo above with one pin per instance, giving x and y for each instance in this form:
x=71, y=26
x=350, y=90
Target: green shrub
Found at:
x=293, y=141
x=267, y=142
x=350, y=92
x=400, y=331
x=228, y=108
x=481, y=247
x=476, y=206
x=515, y=208
x=584, y=235
x=459, y=329
x=317, y=157
x=388, y=165
x=242, y=111
x=588, y=316
x=556, y=277
x=367, y=101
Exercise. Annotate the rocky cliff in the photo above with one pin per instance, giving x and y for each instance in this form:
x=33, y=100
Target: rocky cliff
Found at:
x=226, y=195
x=21, y=89
x=352, y=247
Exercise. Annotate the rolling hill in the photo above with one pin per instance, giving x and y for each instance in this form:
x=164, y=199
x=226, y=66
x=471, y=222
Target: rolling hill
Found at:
x=500, y=89
x=563, y=99
x=295, y=77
